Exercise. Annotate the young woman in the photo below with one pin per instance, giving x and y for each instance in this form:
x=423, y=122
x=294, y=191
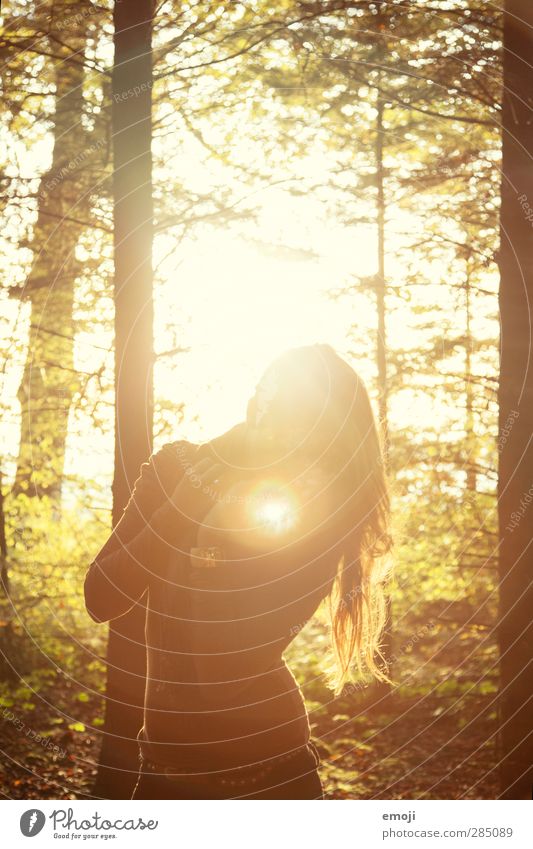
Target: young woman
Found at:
x=236, y=542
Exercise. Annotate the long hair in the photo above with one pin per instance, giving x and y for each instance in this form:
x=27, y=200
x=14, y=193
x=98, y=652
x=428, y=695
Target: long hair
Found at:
x=315, y=395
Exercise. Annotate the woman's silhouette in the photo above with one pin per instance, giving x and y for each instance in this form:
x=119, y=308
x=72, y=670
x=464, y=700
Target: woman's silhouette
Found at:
x=236, y=542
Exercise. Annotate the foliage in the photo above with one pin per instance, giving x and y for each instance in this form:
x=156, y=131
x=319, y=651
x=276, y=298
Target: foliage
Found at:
x=264, y=95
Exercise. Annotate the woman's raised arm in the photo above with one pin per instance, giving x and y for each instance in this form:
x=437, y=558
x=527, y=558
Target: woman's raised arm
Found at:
x=169, y=499
x=120, y=572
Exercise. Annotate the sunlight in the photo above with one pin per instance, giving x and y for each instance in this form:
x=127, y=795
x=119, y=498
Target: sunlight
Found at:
x=237, y=303
x=190, y=191
x=276, y=514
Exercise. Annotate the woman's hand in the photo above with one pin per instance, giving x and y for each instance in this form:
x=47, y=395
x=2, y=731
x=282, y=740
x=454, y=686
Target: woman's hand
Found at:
x=197, y=491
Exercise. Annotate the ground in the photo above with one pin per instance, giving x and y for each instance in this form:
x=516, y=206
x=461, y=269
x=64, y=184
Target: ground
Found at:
x=429, y=747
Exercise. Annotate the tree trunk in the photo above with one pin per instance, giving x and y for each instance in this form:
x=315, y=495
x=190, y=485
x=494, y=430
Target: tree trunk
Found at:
x=4, y=574
x=381, y=688
x=49, y=380
x=515, y=489
x=133, y=232
x=381, y=338
x=6, y=631
x=470, y=435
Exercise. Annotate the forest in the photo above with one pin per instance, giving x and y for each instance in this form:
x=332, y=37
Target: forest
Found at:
x=187, y=189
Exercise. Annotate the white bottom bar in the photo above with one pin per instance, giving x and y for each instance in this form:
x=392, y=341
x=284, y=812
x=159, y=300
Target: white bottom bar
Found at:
x=264, y=825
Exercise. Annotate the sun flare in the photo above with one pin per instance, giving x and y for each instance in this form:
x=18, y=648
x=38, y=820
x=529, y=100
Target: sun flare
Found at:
x=247, y=305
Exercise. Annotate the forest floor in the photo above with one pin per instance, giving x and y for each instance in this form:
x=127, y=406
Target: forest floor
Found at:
x=413, y=748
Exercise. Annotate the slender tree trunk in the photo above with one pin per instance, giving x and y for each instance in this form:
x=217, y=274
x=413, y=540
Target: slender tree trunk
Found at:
x=6, y=631
x=515, y=491
x=382, y=688
x=4, y=574
x=49, y=380
x=381, y=337
x=133, y=232
x=470, y=436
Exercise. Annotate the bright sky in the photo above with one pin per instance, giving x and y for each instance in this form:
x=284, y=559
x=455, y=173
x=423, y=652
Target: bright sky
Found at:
x=247, y=302
x=237, y=301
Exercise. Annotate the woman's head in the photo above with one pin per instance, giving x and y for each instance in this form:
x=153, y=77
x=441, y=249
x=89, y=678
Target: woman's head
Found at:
x=311, y=409
x=310, y=405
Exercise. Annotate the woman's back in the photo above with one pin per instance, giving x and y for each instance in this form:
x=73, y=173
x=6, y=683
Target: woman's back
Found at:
x=219, y=693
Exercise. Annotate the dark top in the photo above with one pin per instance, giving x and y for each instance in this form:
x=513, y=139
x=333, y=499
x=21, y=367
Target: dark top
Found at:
x=218, y=692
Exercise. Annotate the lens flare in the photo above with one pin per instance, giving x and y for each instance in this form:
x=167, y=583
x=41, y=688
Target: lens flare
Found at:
x=276, y=515
x=273, y=509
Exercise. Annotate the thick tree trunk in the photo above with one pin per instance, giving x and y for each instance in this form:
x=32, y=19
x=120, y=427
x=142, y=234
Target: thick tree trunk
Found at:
x=49, y=380
x=132, y=138
x=515, y=495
